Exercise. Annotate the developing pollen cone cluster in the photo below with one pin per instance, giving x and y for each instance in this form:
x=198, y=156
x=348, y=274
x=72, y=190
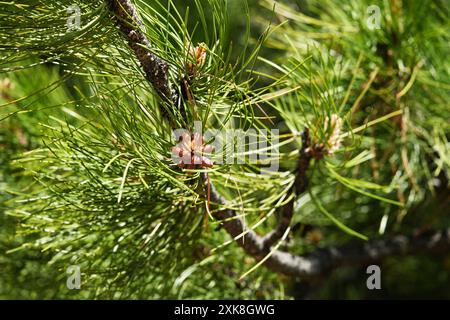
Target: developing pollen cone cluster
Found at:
x=192, y=151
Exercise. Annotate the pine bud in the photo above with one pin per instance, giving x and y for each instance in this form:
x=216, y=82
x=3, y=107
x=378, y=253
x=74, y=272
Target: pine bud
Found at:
x=334, y=140
x=196, y=58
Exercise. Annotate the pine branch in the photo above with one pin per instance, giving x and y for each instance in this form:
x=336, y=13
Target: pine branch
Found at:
x=321, y=261
x=432, y=242
x=156, y=69
x=300, y=186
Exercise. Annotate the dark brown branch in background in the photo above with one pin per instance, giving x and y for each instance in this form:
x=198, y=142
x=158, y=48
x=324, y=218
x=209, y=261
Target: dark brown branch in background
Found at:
x=311, y=266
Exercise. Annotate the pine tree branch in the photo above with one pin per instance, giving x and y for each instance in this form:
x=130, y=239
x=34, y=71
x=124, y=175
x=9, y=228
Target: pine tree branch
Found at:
x=300, y=186
x=324, y=260
x=432, y=242
x=156, y=69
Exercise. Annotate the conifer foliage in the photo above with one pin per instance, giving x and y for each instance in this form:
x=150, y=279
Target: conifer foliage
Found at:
x=223, y=149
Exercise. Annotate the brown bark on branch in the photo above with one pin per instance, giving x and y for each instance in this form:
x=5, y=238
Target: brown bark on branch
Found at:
x=156, y=70
x=300, y=186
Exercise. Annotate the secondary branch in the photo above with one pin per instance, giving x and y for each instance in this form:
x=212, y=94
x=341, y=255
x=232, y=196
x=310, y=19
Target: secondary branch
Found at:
x=299, y=187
